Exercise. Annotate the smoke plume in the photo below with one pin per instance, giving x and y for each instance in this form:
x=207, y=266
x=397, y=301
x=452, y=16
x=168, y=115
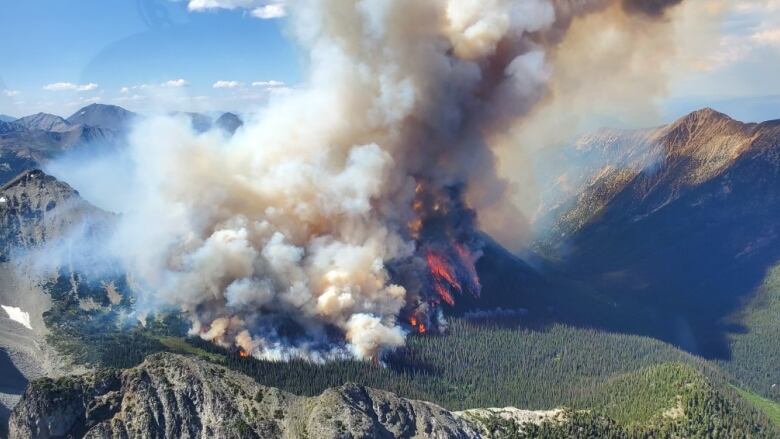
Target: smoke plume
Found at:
x=652, y=8
x=345, y=215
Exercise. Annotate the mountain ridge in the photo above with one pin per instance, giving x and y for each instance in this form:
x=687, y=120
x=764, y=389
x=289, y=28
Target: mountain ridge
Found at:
x=111, y=117
x=170, y=395
x=694, y=227
x=43, y=122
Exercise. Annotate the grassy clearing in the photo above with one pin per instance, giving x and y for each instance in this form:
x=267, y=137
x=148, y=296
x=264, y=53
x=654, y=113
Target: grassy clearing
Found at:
x=180, y=346
x=769, y=407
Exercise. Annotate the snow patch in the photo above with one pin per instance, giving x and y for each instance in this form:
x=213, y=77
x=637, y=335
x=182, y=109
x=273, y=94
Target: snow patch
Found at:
x=17, y=315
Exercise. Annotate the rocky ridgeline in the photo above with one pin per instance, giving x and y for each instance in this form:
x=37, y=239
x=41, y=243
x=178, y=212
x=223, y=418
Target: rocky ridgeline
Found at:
x=175, y=396
x=34, y=207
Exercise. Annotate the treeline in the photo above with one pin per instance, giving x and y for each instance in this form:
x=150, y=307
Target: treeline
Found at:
x=478, y=365
x=487, y=363
x=755, y=351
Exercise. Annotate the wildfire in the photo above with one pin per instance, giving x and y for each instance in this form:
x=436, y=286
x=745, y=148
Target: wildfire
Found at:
x=417, y=325
x=243, y=354
x=443, y=227
x=444, y=280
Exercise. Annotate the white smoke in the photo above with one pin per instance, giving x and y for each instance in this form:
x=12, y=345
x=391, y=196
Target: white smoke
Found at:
x=295, y=221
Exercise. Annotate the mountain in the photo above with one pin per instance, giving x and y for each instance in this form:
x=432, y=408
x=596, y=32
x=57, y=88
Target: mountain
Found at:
x=229, y=122
x=109, y=117
x=44, y=122
x=7, y=118
x=31, y=141
x=36, y=211
x=681, y=240
x=8, y=127
x=35, y=207
x=173, y=396
x=570, y=330
x=198, y=121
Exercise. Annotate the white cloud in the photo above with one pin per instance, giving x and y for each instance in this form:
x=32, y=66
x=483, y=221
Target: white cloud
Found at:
x=176, y=83
x=769, y=37
x=11, y=93
x=69, y=86
x=268, y=84
x=200, y=5
x=226, y=84
x=267, y=12
x=265, y=9
x=131, y=98
x=124, y=90
x=752, y=26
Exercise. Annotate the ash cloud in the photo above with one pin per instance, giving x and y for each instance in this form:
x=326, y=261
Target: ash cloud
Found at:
x=651, y=8
x=344, y=216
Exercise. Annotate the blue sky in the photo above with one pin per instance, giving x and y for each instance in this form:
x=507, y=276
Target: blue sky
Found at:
x=118, y=51
x=199, y=55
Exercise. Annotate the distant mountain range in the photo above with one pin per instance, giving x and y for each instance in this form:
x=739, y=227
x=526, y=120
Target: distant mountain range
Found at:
x=28, y=142
x=7, y=118
x=43, y=122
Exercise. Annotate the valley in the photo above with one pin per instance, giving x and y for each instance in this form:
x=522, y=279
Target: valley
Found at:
x=564, y=333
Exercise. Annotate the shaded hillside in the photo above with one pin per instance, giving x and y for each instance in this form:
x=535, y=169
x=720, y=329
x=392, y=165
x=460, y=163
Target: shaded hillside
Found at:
x=229, y=122
x=755, y=350
x=680, y=245
x=508, y=283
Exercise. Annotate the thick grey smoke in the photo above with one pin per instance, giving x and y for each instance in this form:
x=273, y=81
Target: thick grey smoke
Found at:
x=324, y=218
x=653, y=8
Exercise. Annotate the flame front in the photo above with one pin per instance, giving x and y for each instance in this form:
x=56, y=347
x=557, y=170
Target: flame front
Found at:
x=418, y=325
x=444, y=279
x=443, y=228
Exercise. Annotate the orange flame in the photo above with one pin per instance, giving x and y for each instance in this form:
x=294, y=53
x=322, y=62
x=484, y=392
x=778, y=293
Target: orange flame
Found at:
x=443, y=278
x=243, y=353
x=417, y=325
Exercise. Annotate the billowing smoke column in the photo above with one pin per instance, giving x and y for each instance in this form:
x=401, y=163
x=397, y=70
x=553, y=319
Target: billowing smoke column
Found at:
x=338, y=221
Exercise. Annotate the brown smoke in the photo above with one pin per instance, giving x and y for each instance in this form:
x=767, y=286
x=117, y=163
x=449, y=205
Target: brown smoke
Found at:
x=651, y=8
x=346, y=215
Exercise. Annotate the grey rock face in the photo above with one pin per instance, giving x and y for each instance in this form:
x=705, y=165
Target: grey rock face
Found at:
x=35, y=206
x=172, y=396
x=44, y=121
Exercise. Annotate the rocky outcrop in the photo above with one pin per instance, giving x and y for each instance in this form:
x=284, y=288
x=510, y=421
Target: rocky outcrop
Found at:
x=35, y=207
x=172, y=396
